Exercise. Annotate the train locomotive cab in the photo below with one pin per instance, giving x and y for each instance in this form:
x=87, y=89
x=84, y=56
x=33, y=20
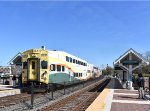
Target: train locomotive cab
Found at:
x=35, y=66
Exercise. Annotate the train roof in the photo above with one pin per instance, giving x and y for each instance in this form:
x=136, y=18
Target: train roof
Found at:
x=50, y=52
x=66, y=54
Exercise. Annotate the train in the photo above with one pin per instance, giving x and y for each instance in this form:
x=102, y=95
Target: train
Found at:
x=41, y=66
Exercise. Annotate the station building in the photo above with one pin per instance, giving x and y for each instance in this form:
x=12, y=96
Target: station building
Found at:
x=16, y=64
x=5, y=73
x=126, y=64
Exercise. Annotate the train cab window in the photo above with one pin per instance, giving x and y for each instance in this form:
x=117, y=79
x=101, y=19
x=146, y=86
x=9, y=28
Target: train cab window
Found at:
x=52, y=67
x=70, y=59
x=24, y=65
x=33, y=65
x=74, y=60
x=44, y=64
x=63, y=68
x=67, y=58
x=58, y=67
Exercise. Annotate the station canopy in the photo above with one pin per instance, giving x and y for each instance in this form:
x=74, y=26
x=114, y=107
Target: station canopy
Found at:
x=130, y=57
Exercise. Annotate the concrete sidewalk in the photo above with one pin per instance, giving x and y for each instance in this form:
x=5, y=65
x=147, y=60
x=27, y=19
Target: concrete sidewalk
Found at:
x=126, y=100
x=7, y=90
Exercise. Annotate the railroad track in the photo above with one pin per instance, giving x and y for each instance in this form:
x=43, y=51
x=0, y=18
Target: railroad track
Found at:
x=21, y=102
x=78, y=101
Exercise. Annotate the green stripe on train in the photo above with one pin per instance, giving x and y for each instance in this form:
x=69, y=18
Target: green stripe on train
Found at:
x=60, y=78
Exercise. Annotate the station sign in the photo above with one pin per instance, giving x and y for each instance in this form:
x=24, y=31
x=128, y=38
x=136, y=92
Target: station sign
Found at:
x=131, y=62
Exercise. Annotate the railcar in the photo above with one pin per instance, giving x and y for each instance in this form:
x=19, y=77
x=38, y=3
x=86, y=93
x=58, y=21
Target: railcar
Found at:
x=54, y=67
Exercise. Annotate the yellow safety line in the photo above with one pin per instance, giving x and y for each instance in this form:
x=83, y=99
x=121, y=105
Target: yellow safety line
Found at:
x=99, y=103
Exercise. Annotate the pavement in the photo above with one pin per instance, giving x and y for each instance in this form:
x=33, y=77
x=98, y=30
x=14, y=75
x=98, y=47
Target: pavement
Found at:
x=116, y=98
x=7, y=90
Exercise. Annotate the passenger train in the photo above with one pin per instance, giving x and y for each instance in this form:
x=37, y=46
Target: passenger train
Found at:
x=55, y=67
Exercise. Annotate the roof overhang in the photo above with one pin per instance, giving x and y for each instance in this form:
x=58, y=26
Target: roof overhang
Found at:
x=135, y=53
x=15, y=58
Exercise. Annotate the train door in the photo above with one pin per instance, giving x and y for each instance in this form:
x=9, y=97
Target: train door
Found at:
x=33, y=70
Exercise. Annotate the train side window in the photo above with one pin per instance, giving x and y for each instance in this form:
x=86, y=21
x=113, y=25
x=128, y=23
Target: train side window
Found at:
x=24, y=65
x=74, y=74
x=81, y=74
x=33, y=65
x=44, y=64
x=74, y=60
x=63, y=68
x=52, y=67
x=58, y=67
x=78, y=62
x=67, y=58
x=70, y=59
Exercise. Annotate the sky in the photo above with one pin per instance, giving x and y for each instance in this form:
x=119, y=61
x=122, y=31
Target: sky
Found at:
x=98, y=32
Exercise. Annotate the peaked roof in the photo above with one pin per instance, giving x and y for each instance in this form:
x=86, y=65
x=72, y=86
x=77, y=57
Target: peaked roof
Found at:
x=133, y=51
x=15, y=57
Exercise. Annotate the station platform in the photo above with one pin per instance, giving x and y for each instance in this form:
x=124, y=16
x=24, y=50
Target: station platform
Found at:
x=7, y=90
x=115, y=98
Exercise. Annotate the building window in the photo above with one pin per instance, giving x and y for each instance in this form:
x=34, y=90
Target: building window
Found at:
x=52, y=67
x=44, y=64
x=58, y=67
